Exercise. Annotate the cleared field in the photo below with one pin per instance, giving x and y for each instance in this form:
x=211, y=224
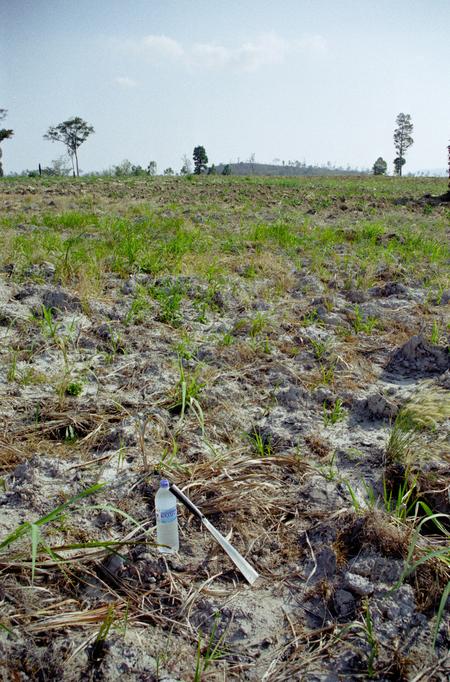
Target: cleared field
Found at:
x=279, y=349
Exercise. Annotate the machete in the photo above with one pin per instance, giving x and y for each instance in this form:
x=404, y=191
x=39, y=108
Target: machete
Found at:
x=242, y=564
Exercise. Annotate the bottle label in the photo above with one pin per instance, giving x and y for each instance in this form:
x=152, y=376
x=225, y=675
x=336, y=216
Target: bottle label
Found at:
x=167, y=515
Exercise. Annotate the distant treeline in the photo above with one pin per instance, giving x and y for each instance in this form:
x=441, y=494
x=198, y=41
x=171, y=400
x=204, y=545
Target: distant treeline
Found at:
x=290, y=169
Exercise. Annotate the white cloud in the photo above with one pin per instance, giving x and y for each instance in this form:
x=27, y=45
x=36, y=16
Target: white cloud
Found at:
x=125, y=82
x=250, y=56
x=266, y=50
x=162, y=46
x=209, y=55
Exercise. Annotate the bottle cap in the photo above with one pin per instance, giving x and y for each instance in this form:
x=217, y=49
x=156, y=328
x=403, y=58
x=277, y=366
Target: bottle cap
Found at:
x=164, y=483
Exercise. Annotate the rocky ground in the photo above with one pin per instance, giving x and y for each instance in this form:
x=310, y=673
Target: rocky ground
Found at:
x=279, y=350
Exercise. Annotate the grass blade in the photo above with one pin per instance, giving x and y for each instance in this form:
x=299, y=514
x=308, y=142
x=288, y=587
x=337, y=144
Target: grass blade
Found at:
x=442, y=603
x=35, y=537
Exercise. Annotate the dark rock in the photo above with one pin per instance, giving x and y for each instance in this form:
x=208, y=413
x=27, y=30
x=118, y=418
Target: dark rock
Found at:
x=324, y=395
x=218, y=300
x=445, y=297
x=117, y=437
x=104, y=332
x=8, y=268
x=260, y=305
x=208, y=355
x=105, y=518
x=322, y=534
x=356, y=296
x=418, y=357
x=175, y=564
x=400, y=606
x=86, y=342
x=379, y=407
x=321, y=493
x=25, y=293
x=128, y=287
x=114, y=565
x=325, y=564
x=316, y=612
x=23, y=472
x=115, y=314
x=292, y=398
x=60, y=300
x=377, y=569
x=344, y=604
x=444, y=380
x=390, y=289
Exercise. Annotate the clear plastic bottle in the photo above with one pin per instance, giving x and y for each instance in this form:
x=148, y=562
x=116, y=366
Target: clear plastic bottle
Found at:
x=166, y=519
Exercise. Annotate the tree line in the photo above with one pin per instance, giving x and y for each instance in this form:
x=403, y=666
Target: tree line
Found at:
x=73, y=132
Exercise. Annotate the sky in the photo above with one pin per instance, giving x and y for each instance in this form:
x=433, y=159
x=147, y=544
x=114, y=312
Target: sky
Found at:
x=310, y=80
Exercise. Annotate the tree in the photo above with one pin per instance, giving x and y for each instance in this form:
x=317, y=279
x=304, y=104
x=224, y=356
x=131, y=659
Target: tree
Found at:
x=212, y=170
x=137, y=170
x=151, y=168
x=398, y=163
x=380, y=166
x=251, y=161
x=226, y=169
x=200, y=160
x=123, y=169
x=58, y=167
x=168, y=171
x=5, y=134
x=186, y=168
x=402, y=140
x=72, y=133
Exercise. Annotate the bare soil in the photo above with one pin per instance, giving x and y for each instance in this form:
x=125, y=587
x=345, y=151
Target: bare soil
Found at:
x=297, y=375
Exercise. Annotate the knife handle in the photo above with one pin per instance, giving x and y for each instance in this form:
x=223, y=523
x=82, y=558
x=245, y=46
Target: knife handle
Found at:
x=186, y=501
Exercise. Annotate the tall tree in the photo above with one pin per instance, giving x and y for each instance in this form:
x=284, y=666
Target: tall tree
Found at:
x=402, y=140
x=151, y=168
x=380, y=166
x=200, y=160
x=5, y=134
x=72, y=133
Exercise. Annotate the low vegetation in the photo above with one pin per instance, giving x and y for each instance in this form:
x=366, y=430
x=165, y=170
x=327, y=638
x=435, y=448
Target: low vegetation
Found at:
x=278, y=348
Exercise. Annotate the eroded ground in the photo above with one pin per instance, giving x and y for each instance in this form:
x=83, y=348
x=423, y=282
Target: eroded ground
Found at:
x=279, y=349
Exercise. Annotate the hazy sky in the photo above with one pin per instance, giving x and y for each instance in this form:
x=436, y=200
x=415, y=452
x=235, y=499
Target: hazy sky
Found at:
x=314, y=80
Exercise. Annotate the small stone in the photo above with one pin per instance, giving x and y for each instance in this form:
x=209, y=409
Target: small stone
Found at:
x=356, y=296
x=379, y=406
x=23, y=472
x=128, y=287
x=105, y=518
x=175, y=564
x=391, y=289
x=445, y=298
x=291, y=398
x=114, y=564
x=344, y=603
x=357, y=584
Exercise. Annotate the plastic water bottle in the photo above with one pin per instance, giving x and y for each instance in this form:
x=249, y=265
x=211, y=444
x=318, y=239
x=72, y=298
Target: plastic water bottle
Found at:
x=166, y=518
